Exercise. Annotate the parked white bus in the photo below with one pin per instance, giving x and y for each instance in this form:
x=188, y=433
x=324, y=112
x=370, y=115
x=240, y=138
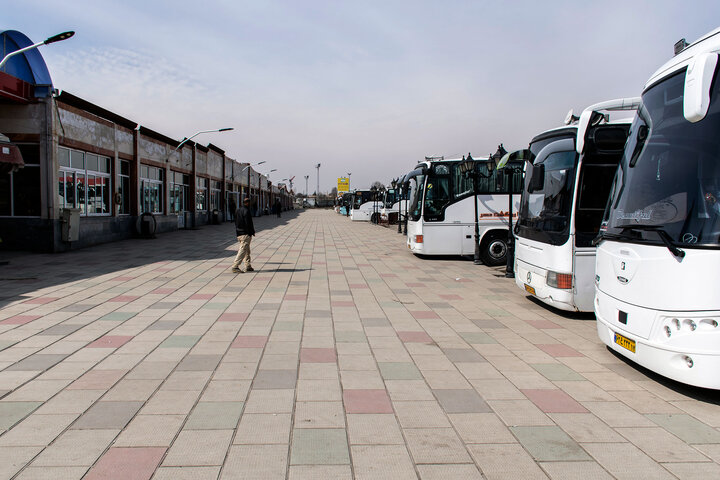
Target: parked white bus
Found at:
x=365, y=204
x=565, y=191
x=658, y=258
x=393, y=203
x=442, y=210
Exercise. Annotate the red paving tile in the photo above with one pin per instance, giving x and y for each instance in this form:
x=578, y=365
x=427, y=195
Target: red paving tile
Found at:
x=97, y=380
x=424, y=314
x=233, y=317
x=41, y=300
x=554, y=401
x=124, y=298
x=127, y=463
x=163, y=269
x=19, y=319
x=367, y=401
x=342, y=303
x=202, y=296
x=559, y=350
x=415, y=337
x=451, y=297
x=110, y=341
x=296, y=297
x=318, y=355
x=122, y=279
x=163, y=291
x=543, y=324
x=249, y=341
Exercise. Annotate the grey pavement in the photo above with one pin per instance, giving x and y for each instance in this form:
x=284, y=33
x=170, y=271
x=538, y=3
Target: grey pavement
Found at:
x=343, y=356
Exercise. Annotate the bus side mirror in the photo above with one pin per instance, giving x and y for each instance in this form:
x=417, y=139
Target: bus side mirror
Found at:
x=537, y=179
x=698, y=80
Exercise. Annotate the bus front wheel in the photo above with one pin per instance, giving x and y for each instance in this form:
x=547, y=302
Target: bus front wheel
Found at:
x=493, y=249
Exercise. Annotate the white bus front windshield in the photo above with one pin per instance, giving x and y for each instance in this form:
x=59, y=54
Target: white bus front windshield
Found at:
x=390, y=198
x=545, y=213
x=668, y=185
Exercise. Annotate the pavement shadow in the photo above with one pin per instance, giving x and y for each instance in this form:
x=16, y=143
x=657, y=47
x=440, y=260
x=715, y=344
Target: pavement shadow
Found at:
x=27, y=272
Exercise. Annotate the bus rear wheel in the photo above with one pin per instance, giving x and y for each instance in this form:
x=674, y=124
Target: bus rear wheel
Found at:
x=493, y=249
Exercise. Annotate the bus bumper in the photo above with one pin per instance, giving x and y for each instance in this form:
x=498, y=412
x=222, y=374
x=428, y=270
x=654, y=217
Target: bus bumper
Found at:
x=682, y=362
x=532, y=280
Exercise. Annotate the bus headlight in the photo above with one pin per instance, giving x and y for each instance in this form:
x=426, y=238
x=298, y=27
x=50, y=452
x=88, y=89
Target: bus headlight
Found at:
x=561, y=281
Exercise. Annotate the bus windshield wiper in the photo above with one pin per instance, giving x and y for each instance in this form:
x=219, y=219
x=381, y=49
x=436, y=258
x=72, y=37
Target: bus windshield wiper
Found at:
x=664, y=237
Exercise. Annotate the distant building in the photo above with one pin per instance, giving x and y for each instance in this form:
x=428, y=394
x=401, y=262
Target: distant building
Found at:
x=82, y=160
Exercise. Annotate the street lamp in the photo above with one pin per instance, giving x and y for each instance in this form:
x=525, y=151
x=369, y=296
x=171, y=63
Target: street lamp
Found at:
x=55, y=38
x=511, y=171
x=373, y=190
x=185, y=140
x=317, y=192
x=247, y=167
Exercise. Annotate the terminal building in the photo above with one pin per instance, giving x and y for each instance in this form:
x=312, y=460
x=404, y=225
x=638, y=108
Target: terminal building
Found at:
x=74, y=174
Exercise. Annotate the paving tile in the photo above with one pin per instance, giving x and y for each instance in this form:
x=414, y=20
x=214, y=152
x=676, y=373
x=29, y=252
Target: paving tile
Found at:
x=214, y=416
x=559, y=350
x=319, y=446
x=110, y=341
x=481, y=428
x=256, y=461
x=198, y=448
x=249, y=341
x=367, y=401
x=61, y=329
x=494, y=459
x=107, y=415
x=165, y=325
x=15, y=458
x=687, y=428
x=549, y=444
x=150, y=431
x=50, y=473
x=660, y=445
x=171, y=402
x=694, y=470
x=625, y=461
x=419, y=414
x=270, y=401
x=554, y=401
x=36, y=430
x=180, y=341
x=463, y=355
x=38, y=362
x=264, y=428
x=374, y=429
x=199, y=362
x=319, y=415
x=124, y=463
x=399, y=371
x=19, y=319
x=461, y=401
x=575, y=471
x=13, y=412
x=318, y=355
x=318, y=390
x=382, y=461
x=415, y=337
x=118, y=316
x=320, y=472
x=424, y=314
x=477, y=338
x=585, y=427
x=519, y=412
x=275, y=379
x=557, y=372
x=435, y=445
x=75, y=448
x=350, y=336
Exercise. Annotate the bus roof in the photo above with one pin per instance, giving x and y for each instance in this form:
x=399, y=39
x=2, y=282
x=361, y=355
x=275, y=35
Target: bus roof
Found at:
x=710, y=42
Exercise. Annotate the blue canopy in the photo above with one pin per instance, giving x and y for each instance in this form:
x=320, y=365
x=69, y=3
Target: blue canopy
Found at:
x=28, y=66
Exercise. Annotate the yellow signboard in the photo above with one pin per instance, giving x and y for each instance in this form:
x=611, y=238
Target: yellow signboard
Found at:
x=343, y=184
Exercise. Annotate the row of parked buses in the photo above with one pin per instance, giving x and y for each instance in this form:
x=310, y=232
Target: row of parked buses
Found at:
x=618, y=212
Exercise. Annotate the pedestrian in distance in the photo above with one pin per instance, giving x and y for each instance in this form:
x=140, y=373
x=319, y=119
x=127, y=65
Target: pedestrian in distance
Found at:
x=245, y=230
x=277, y=208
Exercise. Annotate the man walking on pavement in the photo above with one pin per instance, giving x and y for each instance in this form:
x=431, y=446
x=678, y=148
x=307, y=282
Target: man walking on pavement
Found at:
x=244, y=230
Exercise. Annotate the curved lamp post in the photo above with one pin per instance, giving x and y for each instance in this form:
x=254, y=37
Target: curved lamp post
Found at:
x=185, y=140
x=511, y=171
x=55, y=38
x=247, y=167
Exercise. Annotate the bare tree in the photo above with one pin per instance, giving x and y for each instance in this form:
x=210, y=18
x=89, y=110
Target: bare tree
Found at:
x=379, y=185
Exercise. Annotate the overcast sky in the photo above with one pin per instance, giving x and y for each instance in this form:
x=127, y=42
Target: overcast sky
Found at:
x=367, y=87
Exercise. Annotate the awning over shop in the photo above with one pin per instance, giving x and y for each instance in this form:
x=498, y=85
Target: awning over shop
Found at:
x=25, y=76
x=10, y=156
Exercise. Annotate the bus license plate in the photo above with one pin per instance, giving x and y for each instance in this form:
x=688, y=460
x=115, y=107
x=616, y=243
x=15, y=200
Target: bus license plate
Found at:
x=625, y=342
x=529, y=289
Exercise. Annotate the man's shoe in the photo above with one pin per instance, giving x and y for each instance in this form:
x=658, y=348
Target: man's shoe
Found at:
x=236, y=270
x=249, y=269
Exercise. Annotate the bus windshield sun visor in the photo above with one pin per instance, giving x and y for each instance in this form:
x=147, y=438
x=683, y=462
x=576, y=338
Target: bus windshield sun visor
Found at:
x=415, y=173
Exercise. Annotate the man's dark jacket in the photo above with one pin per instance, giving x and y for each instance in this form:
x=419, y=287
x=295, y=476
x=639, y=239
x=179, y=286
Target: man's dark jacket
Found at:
x=243, y=222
